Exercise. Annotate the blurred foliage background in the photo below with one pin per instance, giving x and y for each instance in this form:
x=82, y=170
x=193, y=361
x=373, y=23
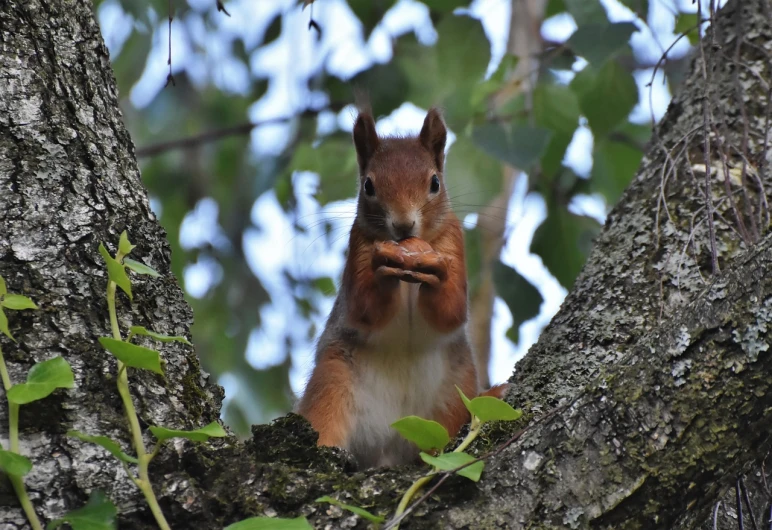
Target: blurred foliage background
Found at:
x=244, y=145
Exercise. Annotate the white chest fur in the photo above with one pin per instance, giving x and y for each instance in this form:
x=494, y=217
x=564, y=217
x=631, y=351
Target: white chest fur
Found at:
x=400, y=372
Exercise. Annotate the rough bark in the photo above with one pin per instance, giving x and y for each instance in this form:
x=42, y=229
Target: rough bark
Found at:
x=661, y=367
x=69, y=180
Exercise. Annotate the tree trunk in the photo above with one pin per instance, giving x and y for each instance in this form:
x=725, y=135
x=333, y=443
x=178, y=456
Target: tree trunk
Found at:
x=659, y=366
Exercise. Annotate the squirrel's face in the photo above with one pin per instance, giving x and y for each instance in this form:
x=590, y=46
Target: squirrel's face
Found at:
x=401, y=188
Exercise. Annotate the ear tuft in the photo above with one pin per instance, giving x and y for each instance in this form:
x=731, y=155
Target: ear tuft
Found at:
x=433, y=136
x=365, y=138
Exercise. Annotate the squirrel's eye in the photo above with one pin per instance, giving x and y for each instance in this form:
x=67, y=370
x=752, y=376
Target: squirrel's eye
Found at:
x=369, y=188
x=435, y=186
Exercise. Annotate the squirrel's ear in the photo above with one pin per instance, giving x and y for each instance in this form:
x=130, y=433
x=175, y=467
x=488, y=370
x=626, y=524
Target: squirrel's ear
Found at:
x=365, y=138
x=433, y=136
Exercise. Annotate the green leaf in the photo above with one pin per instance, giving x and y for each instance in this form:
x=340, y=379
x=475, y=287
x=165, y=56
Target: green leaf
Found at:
x=563, y=242
x=613, y=167
x=213, y=430
x=105, y=442
x=13, y=464
x=370, y=13
x=143, y=331
x=463, y=50
x=599, y=42
x=450, y=461
x=426, y=434
x=133, y=355
x=482, y=90
x=639, y=7
x=353, y=509
x=466, y=400
x=17, y=302
x=271, y=523
x=445, y=6
x=124, y=245
x=606, y=98
x=116, y=272
x=489, y=408
x=687, y=22
x=472, y=176
x=555, y=107
x=3, y=288
x=42, y=379
x=522, y=298
x=586, y=11
x=554, y=7
x=324, y=285
x=519, y=146
x=98, y=514
x=335, y=162
x=274, y=29
x=4, y=325
x=140, y=268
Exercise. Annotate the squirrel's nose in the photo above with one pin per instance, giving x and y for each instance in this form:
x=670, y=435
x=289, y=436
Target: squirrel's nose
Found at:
x=403, y=230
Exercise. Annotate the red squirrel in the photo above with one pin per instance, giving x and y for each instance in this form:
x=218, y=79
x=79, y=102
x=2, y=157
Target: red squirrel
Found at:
x=396, y=342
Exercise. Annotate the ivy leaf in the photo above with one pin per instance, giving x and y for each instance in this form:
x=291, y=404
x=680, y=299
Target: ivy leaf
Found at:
x=3, y=288
x=42, y=379
x=116, y=272
x=489, y=408
x=213, y=430
x=426, y=434
x=522, y=298
x=466, y=400
x=140, y=268
x=16, y=302
x=13, y=464
x=124, y=245
x=141, y=330
x=105, y=442
x=353, y=509
x=606, y=98
x=486, y=410
x=271, y=523
x=4, y=325
x=599, y=42
x=133, y=355
x=98, y=514
x=450, y=461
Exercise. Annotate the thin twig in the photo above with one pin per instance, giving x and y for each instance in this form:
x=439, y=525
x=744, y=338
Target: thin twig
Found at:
x=221, y=7
x=170, y=77
x=706, y=147
x=740, y=524
x=748, y=503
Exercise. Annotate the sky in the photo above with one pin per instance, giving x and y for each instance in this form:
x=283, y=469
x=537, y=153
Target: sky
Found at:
x=287, y=62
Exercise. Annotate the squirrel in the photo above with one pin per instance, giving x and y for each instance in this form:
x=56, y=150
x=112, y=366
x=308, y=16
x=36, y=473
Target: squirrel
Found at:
x=395, y=343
